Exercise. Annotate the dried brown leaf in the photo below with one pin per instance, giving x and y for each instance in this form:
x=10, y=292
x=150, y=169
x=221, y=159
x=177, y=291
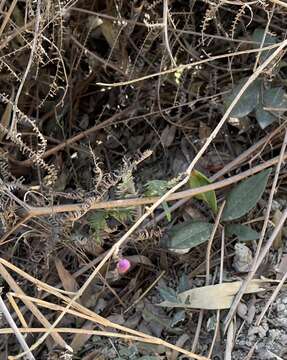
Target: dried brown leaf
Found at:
x=167, y=136
x=79, y=340
x=277, y=243
x=68, y=281
x=213, y=297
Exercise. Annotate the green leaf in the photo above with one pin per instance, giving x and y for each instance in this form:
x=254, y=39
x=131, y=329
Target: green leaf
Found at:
x=122, y=215
x=166, y=211
x=156, y=187
x=272, y=98
x=197, y=179
x=178, y=317
x=187, y=235
x=168, y=294
x=98, y=223
x=245, y=196
x=257, y=36
x=183, y=283
x=243, y=232
x=159, y=188
x=247, y=102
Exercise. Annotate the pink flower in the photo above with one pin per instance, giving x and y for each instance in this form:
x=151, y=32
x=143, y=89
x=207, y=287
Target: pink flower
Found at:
x=123, y=266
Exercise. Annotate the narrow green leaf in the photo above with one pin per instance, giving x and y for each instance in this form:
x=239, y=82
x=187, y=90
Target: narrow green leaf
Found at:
x=247, y=102
x=166, y=211
x=243, y=232
x=245, y=196
x=197, y=179
x=274, y=99
x=187, y=235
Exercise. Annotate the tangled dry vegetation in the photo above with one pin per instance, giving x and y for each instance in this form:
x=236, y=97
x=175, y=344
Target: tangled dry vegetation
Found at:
x=142, y=179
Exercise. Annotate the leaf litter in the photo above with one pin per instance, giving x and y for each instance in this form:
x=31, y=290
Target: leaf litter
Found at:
x=80, y=163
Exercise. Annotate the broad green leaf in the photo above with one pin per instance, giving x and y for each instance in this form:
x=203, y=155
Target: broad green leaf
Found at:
x=243, y=232
x=257, y=36
x=187, y=235
x=197, y=179
x=245, y=196
x=274, y=99
x=247, y=102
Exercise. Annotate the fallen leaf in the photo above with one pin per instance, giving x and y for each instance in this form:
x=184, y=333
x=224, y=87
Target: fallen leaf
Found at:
x=167, y=136
x=277, y=243
x=282, y=268
x=68, y=281
x=213, y=297
x=79, y=340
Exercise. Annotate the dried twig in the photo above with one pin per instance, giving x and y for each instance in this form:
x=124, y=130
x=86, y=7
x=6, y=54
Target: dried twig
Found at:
x=13, y=126
x=207, y=274
x=196, y=63
x=15, y=329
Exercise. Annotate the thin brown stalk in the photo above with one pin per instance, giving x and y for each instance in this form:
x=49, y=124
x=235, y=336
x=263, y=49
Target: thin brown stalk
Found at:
x=13, y=127
x=280, y=3
x=196, y=63
x=220, y=281
x=165, y=31
x=207, y=274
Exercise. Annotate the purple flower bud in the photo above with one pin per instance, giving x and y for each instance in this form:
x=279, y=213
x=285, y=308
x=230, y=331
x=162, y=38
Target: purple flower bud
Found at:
x=123, y=266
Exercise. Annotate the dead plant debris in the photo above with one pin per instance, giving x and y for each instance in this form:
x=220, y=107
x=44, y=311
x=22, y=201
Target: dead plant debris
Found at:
x=143, y=194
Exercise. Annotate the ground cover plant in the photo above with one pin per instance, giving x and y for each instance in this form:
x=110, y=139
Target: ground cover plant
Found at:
x=142, y=179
